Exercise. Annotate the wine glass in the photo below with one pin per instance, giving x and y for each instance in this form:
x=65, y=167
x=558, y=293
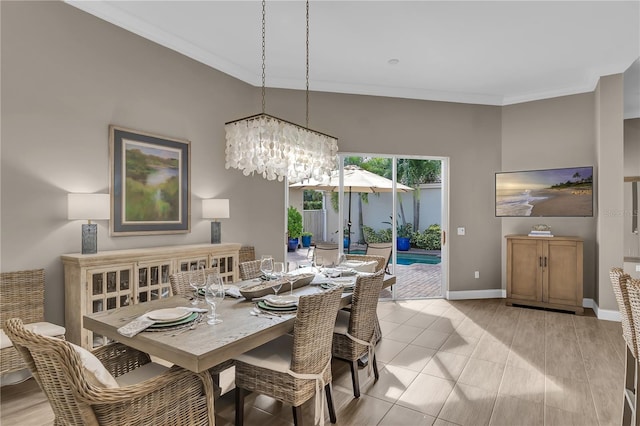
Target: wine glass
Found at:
x=214, y=294
x=278, y=272
x=318, y=263
x=293, y=266
x=266, y=266
x=341, y=258
x=196, y=283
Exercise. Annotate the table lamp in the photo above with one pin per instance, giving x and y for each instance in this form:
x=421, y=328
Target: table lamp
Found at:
x=215, y=209
x=88, y=207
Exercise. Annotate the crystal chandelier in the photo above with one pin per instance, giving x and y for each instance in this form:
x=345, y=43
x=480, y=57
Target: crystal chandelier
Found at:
x=277, y=148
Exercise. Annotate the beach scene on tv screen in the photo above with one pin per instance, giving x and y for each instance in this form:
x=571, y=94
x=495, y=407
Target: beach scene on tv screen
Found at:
x=551, y=192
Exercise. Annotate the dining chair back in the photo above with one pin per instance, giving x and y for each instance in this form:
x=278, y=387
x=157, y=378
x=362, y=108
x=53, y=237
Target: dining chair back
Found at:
x=325, y=254
x=354, y=334
x=69, y=378
x=180, y=280
x=381, y=249
x=22, y=296
x=246, y=254
x=631, y=394
x=294, y=368
x=381, y=262
x=250, y=270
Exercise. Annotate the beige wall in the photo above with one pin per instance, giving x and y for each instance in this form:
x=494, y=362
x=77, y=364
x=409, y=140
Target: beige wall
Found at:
x=67, y=75
x=549, y=134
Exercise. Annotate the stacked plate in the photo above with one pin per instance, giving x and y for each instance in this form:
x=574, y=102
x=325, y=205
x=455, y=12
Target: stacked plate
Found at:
x=347, y=284
x=285, y=303
x=170, y=317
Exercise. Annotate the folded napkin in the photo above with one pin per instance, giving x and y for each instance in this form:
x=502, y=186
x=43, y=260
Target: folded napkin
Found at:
x=233, y=291
x=320, y=279
x=361, y=266
x=143, y=322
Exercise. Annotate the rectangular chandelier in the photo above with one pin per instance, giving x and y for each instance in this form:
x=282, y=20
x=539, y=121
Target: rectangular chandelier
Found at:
x=277, y=149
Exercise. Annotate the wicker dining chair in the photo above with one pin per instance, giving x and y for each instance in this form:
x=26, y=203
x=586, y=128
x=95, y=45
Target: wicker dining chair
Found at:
x=250, y=270
x=354, y=333
x=174, y=396
x=246, y=254
x=180, y=286
x=325, y=254
x=180, y=280
x=294, y=368
x=22, y=296
x=627, y=292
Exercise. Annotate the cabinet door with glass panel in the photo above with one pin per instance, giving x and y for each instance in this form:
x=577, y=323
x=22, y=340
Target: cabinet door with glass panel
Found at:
x=153, y=280
x=227, y=264
x=109, y=288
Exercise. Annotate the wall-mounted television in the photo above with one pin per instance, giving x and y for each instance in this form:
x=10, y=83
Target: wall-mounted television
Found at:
x=566, y=192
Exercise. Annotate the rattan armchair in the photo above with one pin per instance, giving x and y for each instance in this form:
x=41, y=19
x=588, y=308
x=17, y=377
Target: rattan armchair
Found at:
x=176, y=397
x=249, y=270
x=180, y=286
x=22, y=296
x=180, y=280
x=627, y=292
x=354, y=334
x=294, y=368
x=381, y=249
x=246, y=254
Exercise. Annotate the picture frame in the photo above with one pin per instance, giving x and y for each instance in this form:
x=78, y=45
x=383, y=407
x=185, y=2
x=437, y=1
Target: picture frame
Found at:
x=562, y=192
x=150, y=183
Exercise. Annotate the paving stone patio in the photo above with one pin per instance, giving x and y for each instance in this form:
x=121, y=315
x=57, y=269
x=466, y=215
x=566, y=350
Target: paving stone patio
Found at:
x=415, y=281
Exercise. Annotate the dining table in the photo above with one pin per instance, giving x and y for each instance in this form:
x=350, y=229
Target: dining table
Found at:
x=200, y=347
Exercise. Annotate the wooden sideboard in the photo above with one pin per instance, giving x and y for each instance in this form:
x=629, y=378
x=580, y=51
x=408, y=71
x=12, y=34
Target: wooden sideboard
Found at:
x=545, y=272
x=111, y=279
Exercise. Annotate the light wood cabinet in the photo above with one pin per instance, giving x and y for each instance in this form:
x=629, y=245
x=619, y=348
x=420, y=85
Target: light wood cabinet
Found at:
x=111, y=279
x=545, y=272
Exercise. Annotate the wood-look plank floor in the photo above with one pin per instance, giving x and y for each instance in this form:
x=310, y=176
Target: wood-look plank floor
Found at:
x=475, y=362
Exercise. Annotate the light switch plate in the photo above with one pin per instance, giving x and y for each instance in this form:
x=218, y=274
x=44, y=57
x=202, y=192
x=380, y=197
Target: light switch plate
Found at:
x=461, y=230
x=637, y=268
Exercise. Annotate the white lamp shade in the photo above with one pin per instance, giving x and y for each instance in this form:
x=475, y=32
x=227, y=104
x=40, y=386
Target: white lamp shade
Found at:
x=215, y=209
x=88, y=206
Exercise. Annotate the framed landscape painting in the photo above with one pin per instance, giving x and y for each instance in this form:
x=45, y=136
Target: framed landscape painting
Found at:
x=565, y=192
x=150, y=183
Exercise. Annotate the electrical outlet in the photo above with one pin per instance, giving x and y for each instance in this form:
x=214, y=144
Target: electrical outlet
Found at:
x=477, y=274
x=461, y=230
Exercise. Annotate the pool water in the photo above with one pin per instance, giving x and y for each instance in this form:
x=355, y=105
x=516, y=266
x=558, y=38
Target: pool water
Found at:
x=410, y=258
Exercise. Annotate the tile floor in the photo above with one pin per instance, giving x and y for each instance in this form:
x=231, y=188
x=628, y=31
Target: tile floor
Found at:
x=473, y=362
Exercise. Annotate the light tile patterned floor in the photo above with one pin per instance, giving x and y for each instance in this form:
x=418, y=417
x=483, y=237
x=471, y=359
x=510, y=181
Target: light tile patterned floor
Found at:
x=472, y=362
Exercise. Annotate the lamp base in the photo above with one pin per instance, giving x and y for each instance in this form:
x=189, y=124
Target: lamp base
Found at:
x=216, y=232
x=89, y=238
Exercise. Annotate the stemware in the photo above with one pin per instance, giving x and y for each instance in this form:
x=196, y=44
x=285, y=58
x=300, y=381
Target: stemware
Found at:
x=292, y=267
x=278, y=272
x=266, y=266
x=341, y=258
x=196, y=281
x=214, y=294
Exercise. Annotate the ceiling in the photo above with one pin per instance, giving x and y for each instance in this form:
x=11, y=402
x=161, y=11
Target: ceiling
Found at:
x=492, y=53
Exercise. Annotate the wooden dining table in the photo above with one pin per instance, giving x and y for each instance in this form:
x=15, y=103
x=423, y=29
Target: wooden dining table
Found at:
x=204, y=346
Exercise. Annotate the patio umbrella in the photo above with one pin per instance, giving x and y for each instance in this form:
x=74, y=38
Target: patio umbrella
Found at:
x=355, y=180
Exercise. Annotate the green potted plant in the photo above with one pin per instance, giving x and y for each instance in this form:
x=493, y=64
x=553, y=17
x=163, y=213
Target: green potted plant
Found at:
x=306, y=239
x=294, y=227
x=403, y=235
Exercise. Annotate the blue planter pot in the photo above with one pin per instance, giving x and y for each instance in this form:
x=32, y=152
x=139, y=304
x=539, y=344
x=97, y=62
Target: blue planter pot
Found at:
x=306, y=240
x=403, y=244
x=346, y=242
x=293, y=244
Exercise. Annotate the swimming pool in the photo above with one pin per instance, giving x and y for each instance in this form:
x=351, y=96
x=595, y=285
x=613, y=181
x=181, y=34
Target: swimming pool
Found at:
x=410, y=258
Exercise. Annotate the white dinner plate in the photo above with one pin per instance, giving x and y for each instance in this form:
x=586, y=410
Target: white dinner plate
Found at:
x=168, y=314
x=281, y=301
x=344, y=281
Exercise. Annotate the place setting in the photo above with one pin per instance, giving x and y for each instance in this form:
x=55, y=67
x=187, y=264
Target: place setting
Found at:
x=276, y=305
x=167, y=319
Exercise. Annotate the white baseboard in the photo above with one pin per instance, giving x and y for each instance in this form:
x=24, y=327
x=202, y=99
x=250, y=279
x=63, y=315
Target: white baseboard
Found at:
x=603, y=314
x=476, y=294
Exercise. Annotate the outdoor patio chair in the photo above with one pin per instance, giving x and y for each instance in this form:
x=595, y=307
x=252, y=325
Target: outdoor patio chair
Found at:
x=22, y=296
x=113, y=385
x=294, y=368
x=381, y=249
x=325, y=254
x=620, y=283
x=354, y=333
x=250, y=270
